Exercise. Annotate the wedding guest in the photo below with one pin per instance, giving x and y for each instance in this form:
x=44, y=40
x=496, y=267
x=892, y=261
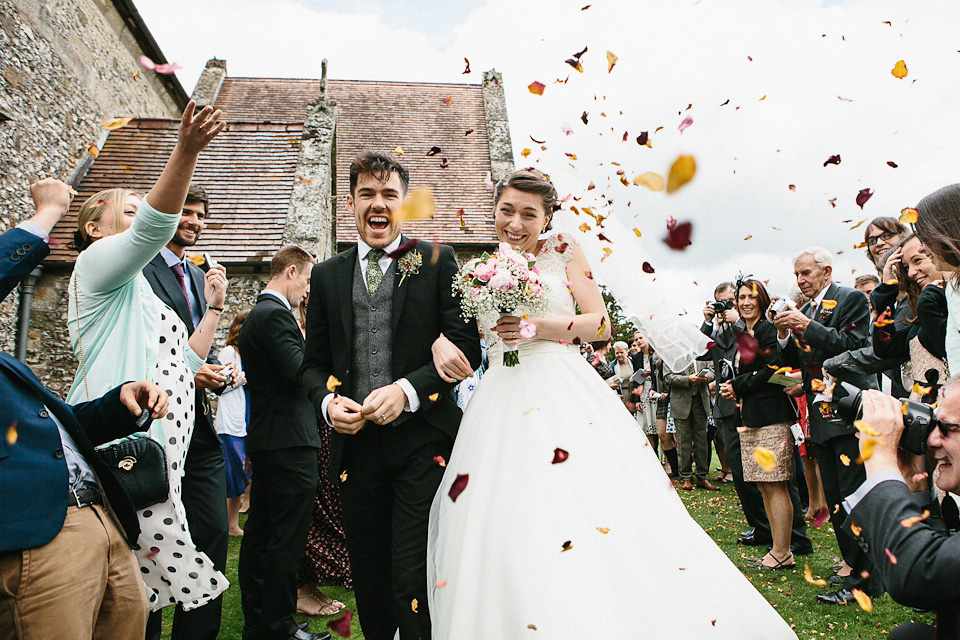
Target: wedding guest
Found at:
x=917, y=563
x=282, y=440
x=767, y=413
x=178, y=282
x=233, y=416
x=645, y=394
x=665, y=432
x=879, y=237
x=58, y=499
x=835, y=320
x=866, y=283
x=121, y=331
x=597, y=356
x=938, y=227
x=689, y=406
x=621, y=380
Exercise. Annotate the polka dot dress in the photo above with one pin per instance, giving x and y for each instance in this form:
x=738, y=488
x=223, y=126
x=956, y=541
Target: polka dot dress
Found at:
x=172, y=568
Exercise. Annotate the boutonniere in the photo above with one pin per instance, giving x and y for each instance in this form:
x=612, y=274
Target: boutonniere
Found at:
x=409, y=264
x=826, y=310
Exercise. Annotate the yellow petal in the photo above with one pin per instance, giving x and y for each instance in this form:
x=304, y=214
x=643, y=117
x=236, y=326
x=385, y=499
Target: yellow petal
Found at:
x=584, y=227
x=765, y=458
x=343, y=476
x=433, y=397
x=525, y=152
x=899, y=70
x=603, y=530
x=749, y=235
x=855, y=530
x=650, y=180
x=909, y=522
x=398, y=151
x=857, y=225
x=845, y=459
x=863, y=600
x=413, y=605
x=611, y=60
x=909, y=215
x=638, y=233
x=419, y=205
x=333, y=383
x=681, y=172
x=866, y=451
x=808, y=576
x=12, y=434
x=829, y=304
x=115, y=123
x=864, y=428
x=93, y=150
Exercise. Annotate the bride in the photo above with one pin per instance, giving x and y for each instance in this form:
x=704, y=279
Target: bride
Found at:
x=566, y=524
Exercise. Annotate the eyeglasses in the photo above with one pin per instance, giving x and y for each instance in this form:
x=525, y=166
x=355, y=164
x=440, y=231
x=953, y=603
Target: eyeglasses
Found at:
x=946, y=428
x=886, y=235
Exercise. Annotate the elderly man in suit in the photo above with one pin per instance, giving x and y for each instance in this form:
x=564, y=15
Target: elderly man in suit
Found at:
x=181, y=285
x=371, y=322
x=919, y=564
x=282, y=443
x=836, y=320
x=689, y=407
x=66, y=524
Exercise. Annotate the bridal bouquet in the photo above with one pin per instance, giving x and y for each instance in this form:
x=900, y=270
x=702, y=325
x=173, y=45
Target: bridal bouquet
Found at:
x=501, y=282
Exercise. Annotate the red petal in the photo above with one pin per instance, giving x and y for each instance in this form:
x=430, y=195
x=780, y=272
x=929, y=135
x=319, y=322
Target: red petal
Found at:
x=863, y=196
x=459, y=485
x=648, y=268
x=747, y=346
x=560, y=455
x=341, y=625
x=402, y=250
x=822, y=516
x=832, y=160
x=642, y=138
x=678, y=238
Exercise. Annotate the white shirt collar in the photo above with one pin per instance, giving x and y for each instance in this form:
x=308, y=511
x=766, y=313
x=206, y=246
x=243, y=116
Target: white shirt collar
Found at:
x=279, y=296
x=363, y=248
x=823, y=292
x=171, y=258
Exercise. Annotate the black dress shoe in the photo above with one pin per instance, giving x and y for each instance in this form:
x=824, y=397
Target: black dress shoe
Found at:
x=842, y=596
x=752, y=540
x=302, y=634
x=304, y=626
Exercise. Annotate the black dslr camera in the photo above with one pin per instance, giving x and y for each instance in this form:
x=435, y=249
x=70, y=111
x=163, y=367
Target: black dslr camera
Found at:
x=918, y=419
x=719, y=306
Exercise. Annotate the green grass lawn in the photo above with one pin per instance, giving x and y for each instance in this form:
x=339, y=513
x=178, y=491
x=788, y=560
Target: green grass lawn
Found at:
x=720, y=515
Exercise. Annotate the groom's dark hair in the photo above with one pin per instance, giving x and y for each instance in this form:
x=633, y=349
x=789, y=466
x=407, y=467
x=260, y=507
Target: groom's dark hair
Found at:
x=380, y=166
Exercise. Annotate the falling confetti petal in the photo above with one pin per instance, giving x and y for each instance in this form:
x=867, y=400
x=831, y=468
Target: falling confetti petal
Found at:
x=413, y=605
x=164, y=69
x=603, y=530
x=333, y=383
x=611, y=60
x=536, y=88
x=440, y=584
x=909, y=215
x=893, y=164
x=685, y=123
x=864, y=428
x=650, y=180
x=648, y=268
x=533, y=626
x=403, y=250
x=93, y=150
x=844, y=459
x=459, y=485
x=12, y=434
x=434, y=151
x=398, y=151
x=560, y=455
x=909, y=522
x=832, y=160
x=440, y=461
x=855, y=530
x=681, y=172
x=467, y=69
x=678, y=238
x=892, y=558
x=419, y=205
x=115, y=123
x=566, y=546
x=343, y=476
x=433, y=397
x=900, y=70
x=765, y=458
x=808, y=576
x=341, y=625
x=863, y=600
x=862, y=196
x=866, y=449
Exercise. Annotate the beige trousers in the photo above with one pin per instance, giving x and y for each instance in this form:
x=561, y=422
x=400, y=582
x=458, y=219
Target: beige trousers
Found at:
x=83, y=584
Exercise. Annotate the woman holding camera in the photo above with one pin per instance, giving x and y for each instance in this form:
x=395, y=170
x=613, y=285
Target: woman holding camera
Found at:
x=767, y=414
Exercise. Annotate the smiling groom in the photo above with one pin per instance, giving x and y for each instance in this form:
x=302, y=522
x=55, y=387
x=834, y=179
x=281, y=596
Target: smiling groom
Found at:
x=371, y=328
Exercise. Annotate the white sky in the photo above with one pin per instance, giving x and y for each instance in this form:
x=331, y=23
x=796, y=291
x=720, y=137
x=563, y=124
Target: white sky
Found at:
x=824, y=68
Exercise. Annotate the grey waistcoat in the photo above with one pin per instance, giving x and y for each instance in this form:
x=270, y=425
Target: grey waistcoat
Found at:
x=373, y=342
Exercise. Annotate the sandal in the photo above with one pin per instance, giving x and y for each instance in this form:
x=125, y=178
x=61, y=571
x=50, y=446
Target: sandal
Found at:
x=328, y=605
x=780, y=564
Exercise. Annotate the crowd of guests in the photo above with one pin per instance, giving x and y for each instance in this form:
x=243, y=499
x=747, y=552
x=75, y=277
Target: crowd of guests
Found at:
x=763, y=396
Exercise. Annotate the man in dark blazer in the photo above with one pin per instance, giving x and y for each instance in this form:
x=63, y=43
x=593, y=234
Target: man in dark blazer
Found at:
x=179, y=283
x=62, y=512
x=370, y=324
x=282, y=443
x=918, y=563
x=836, y=319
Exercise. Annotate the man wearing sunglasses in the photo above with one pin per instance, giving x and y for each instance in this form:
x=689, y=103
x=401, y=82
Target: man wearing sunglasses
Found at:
x=919, y=564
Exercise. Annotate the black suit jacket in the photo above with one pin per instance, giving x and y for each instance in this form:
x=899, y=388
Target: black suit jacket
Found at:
x=281, y=415
x=725, y=348
x=762, y=402
x=927, y=561
x=423, y=308
x=831, y=333
x=165, y=285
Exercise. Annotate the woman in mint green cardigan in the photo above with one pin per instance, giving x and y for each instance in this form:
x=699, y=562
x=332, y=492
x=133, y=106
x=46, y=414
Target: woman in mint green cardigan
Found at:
x=121, y=331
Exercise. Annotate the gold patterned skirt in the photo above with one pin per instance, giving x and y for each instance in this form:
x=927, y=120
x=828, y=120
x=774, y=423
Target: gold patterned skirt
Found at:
x=775, y=438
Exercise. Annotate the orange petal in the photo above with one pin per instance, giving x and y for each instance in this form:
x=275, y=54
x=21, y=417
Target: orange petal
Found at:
x=909, y=215
x=765, y=458
x=899, y=70
x=909, y=522
x=863, y=600
x=115, y=123
x=681, y=172
x=808, y=576
x=418, y=205
x=333, y=383
x=536, y=88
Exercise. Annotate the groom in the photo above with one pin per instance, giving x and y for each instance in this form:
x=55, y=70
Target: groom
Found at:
x=371, y=321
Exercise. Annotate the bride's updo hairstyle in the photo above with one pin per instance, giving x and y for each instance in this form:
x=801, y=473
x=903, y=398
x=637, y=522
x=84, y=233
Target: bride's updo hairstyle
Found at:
x=938, y=225
x=108, y=202
x=534, y=181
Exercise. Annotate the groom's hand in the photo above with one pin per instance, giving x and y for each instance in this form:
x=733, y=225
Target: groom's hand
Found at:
x=385, y=404
x=345, y=415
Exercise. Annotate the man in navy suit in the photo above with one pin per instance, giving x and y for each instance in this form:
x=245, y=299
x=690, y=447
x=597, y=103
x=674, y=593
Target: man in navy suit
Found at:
x=180, y=284
x=66, y=525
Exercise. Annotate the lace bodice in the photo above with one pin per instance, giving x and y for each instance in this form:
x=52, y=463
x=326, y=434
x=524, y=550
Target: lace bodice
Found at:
x=552, y=265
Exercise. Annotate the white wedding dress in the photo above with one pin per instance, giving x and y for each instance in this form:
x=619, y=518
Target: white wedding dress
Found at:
x=597, y=545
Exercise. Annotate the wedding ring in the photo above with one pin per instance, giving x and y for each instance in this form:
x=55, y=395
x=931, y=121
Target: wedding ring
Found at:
x=383, y=417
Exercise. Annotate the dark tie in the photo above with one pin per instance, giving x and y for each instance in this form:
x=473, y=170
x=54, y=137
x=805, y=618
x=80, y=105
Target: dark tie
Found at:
x=178, y=271
x=374, y=274
x=812, y=311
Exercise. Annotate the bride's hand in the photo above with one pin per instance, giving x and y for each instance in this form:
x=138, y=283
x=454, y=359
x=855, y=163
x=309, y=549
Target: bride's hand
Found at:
x=450, y=362
x=508, y=328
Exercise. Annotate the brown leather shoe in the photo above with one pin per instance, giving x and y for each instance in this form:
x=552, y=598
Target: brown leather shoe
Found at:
x=706, y=484
x=686, y=485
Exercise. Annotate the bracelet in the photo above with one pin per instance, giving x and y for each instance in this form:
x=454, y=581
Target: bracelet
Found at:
x=218, y=310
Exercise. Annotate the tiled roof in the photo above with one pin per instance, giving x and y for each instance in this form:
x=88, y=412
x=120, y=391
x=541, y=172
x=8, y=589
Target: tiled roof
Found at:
x=247, y=171
x=383, y=116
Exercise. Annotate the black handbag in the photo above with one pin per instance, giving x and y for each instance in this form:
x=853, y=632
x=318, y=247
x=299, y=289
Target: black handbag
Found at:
x=140, y=466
